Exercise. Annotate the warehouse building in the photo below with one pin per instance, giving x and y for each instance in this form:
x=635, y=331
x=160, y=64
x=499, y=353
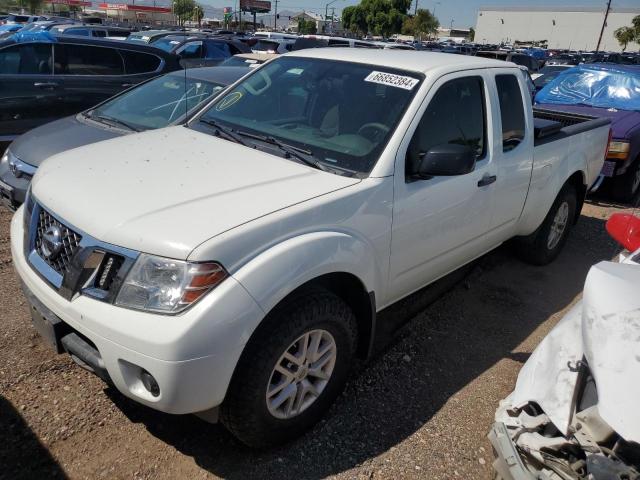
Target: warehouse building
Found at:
x=573, y=27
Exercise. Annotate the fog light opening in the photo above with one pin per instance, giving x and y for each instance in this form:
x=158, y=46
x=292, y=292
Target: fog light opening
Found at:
x=150, y=383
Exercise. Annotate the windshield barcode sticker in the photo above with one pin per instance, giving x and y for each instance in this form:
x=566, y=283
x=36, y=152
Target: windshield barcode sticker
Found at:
x=392, y=80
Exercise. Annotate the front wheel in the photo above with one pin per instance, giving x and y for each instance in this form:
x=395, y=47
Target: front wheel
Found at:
x=292, y=369
x=545, y=244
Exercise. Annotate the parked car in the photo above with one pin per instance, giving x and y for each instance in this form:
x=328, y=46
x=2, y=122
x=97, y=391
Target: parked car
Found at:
x=9, y=29
x=564, y=59
x=547, y=73
x=235, y=267
x=251, y=60
x=321, y=41
x=94, y=31
x=86, y=71
x=607, y=91
x=260, y=45
x=573, y=413
x=518, y=58
x=18, y=18
x=199, y=50
x=148, y=36
x=165, y=100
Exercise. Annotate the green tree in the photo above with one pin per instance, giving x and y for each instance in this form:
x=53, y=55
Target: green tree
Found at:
x=306, y=27
x=34, y=5
x=380, y=17
x=197, y=14
x=183, y=9
x=627, y=35
x=422, y=24
x=472, y=34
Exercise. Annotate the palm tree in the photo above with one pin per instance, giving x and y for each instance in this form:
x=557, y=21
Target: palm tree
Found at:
x=625, y=35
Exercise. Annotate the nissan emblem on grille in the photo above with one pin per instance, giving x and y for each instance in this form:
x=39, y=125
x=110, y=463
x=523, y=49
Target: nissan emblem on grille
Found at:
x=51, y=242
x=54, y=242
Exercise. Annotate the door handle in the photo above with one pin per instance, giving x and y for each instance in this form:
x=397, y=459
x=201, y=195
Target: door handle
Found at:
x=45, y=85
x=486, y=180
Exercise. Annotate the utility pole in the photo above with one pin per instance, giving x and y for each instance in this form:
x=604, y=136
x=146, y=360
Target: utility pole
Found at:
x=275, y=18
x=604, y=24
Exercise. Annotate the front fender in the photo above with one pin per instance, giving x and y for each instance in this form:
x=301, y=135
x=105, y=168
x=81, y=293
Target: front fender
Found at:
x=278, y=271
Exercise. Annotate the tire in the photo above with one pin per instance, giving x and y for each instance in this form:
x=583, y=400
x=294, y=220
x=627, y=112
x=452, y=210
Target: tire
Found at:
x=245, y=412
x=540, y=248
x=626, y=186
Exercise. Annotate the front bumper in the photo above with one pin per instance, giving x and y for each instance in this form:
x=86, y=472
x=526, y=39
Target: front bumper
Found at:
x=192, y=356
x=507, y=463
x=12, y=189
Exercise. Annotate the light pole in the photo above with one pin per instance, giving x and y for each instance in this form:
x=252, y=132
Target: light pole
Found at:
x=326, y=13
x=434, y=7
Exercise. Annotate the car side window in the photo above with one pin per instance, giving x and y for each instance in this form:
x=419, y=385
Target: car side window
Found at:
x=455, y=115
x=80, y=32
x=217, y=50
x=191, y=50
x=511, y=111
x=87, y=60
x=99, y=33
x=26, y=59
x=138, y=62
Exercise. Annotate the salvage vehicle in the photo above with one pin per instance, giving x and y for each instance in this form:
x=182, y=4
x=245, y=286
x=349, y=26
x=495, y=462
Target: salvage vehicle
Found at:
x=36, y=90
x=573, y=413
x=605, y=91
x=156, y=103
x=239, y=268
x=200, y=50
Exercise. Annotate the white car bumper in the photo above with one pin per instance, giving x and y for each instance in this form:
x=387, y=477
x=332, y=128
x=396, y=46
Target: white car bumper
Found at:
x=191, y=356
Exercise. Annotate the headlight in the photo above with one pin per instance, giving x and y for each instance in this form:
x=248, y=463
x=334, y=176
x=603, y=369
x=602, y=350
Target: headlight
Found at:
x=4, y=160
x=165, y=285
x=618, y=149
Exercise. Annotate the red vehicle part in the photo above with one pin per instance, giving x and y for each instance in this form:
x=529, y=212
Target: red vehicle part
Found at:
x=625, y=229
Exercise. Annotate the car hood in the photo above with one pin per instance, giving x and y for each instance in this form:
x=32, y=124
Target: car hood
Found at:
x=604, y=328
x=166, y=191
x=623, y=122
x=35, y=146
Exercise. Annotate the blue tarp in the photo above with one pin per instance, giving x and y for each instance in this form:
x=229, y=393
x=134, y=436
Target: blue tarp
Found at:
x=595, y=85
x=29, y=36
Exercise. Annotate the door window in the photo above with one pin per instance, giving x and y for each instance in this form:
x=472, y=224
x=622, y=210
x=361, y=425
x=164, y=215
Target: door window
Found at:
x=191, y=50
x=87, y=60
x=511, y=111
x=455, y=115
x=217, y=50
x=80, y=32
x=30, y=59
x=138, y=62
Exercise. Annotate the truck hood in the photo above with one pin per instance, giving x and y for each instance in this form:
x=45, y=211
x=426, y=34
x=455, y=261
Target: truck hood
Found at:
x=604, y=329
x=166, y=191
x=623, y=122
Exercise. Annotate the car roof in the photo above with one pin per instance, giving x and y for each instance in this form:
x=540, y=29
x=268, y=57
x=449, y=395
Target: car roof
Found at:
x=411, y=60
x=223, y=75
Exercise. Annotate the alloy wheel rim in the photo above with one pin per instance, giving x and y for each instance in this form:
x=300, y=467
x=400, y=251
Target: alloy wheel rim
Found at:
x=558, y=226
x=301, y=374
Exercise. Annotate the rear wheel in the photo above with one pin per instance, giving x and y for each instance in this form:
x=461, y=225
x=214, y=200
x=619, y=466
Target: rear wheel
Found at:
x=292, y=369
x=626, y=186
x=544, y=245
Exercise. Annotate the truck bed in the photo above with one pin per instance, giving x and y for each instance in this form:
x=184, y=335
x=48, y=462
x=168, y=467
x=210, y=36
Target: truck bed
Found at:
x=550, y=125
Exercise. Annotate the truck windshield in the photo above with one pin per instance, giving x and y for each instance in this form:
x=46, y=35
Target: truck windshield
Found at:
x=341, y=114
x=596, y=86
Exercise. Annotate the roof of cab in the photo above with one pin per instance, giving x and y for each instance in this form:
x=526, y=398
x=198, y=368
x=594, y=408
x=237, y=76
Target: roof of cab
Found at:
x=417, y=61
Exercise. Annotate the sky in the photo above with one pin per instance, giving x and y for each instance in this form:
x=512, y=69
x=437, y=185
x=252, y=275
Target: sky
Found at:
x=462, y=12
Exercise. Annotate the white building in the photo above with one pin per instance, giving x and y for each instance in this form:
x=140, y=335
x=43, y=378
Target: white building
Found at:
x=574, y=28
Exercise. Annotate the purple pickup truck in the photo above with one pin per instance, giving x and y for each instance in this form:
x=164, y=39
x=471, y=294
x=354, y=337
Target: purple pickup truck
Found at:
x=611, y=91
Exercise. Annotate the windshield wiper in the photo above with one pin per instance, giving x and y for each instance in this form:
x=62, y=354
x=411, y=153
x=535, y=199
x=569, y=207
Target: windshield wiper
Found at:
x=226, y=131
x=106, y=119
x=289, y=151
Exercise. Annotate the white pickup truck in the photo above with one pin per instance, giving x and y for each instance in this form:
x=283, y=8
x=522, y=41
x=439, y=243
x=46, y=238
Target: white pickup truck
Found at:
x=235, y=266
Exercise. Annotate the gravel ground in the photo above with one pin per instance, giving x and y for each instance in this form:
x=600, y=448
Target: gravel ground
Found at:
x=420, y=409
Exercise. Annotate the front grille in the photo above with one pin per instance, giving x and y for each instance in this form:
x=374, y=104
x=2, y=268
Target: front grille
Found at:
x=61, y=261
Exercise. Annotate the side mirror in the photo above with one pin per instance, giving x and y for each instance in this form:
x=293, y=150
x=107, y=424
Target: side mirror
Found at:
x=445, y=160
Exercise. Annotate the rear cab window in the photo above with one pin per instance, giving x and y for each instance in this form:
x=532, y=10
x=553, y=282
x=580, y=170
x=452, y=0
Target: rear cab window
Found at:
x=512, y=113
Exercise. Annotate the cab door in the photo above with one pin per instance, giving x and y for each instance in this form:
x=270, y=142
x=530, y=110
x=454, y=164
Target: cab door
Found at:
x=441, y=223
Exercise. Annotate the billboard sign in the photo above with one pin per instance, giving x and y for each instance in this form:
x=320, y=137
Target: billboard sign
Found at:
x=260, y=6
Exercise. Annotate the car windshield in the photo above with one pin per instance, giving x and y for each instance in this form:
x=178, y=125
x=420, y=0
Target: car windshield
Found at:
x=341, y=114
x=266, y=46
x=157, y=103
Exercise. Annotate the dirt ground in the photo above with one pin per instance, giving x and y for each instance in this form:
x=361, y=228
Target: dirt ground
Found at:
x=421, y=409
